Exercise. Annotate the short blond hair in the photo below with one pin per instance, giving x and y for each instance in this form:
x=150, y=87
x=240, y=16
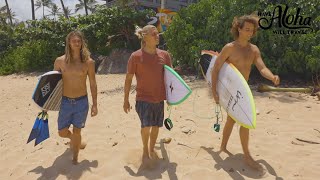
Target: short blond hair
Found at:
x=140, y=32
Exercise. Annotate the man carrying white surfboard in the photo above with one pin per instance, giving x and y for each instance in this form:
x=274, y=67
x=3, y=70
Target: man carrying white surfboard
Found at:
x=242, y=54
x=147, y=64
x=75, y=65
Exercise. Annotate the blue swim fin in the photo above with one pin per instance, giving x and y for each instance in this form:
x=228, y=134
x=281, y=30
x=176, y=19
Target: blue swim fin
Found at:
x=34, y=132
x=43, y=129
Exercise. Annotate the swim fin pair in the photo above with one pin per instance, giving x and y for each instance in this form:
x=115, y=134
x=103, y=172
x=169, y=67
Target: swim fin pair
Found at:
x=40, y=129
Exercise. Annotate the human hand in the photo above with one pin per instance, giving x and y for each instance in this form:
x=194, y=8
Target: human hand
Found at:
x=94, y=110
x=126, y=106
x=276, y=80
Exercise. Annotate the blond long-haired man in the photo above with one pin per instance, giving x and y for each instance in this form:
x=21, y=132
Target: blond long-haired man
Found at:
x=75, y=66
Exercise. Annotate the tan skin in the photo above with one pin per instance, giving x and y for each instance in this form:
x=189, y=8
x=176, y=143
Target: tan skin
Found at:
x=74, y=76
x=152, y=40
x=242, y=55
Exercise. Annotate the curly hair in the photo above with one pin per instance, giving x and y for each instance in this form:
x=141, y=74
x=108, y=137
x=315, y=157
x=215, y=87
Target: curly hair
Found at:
x=238, y=22
x=84, y=52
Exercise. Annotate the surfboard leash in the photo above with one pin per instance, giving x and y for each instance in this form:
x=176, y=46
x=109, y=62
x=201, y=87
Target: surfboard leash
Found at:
x=193, y=109
x=218, y=111
x=167, y=122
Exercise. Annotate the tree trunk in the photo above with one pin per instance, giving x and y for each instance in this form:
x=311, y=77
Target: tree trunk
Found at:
x=64, y=10
x=9, y=13
x=266, y=88
x=32, y=8
x=43, y=11
x=85, y=7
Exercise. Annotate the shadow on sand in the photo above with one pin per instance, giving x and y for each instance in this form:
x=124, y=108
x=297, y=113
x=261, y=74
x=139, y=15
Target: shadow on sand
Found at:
x=236, y=168
x=63, y=166
x=155, y=168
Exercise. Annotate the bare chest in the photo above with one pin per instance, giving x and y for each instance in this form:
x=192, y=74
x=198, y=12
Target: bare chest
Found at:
x=74, y=69
x=242, y=58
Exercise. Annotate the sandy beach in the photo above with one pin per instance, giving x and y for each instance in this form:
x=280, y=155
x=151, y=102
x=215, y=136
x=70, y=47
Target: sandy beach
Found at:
x=114, y=143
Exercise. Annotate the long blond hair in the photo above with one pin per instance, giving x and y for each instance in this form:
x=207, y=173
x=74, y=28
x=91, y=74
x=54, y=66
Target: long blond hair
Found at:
x=84, y=52
x=140, y=32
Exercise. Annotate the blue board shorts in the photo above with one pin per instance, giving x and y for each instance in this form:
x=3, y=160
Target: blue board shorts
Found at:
x=73, y=111
x=150, y=114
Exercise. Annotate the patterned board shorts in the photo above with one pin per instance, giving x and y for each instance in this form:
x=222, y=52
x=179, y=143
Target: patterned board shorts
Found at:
x=73, y=111
x=150, y=114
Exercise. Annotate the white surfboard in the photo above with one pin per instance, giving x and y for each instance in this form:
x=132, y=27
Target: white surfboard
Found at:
x=48, y=92
x=234, y=92
x=177, y=90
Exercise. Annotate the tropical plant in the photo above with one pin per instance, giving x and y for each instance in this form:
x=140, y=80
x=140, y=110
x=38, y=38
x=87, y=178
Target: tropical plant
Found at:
x=206, y=25
x=43, y=4
x=87, y=5
x=3, y=15
x=54, y=11
x=35, y=45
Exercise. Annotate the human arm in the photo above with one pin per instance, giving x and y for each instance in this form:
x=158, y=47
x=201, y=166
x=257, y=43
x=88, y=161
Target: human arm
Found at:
x=56, y=65
x=93, y=86
x=127, y=86
x=222, y=57
x=264, y=71
x=131, y=69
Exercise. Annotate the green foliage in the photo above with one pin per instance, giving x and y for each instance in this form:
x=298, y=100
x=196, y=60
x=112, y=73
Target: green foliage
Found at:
x=106, y=29
x=30, y=56
x=207, y=24
x=6, y=36
x=34, y=45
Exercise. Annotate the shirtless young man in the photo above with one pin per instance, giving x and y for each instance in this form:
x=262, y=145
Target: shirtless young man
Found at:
x=242, y=54
x=75, y=65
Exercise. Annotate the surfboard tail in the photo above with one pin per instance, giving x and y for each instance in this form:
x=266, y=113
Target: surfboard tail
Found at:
x=177, y=90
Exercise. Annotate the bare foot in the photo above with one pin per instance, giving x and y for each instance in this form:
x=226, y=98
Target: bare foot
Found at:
x=82, y=145
x=75, y=160
x=145, y=163
x=145, y=157
x=226, y=151
x=154, y=155
x=252, y=163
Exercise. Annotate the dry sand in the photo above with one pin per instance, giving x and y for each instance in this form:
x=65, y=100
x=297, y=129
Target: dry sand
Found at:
x=114, y=143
